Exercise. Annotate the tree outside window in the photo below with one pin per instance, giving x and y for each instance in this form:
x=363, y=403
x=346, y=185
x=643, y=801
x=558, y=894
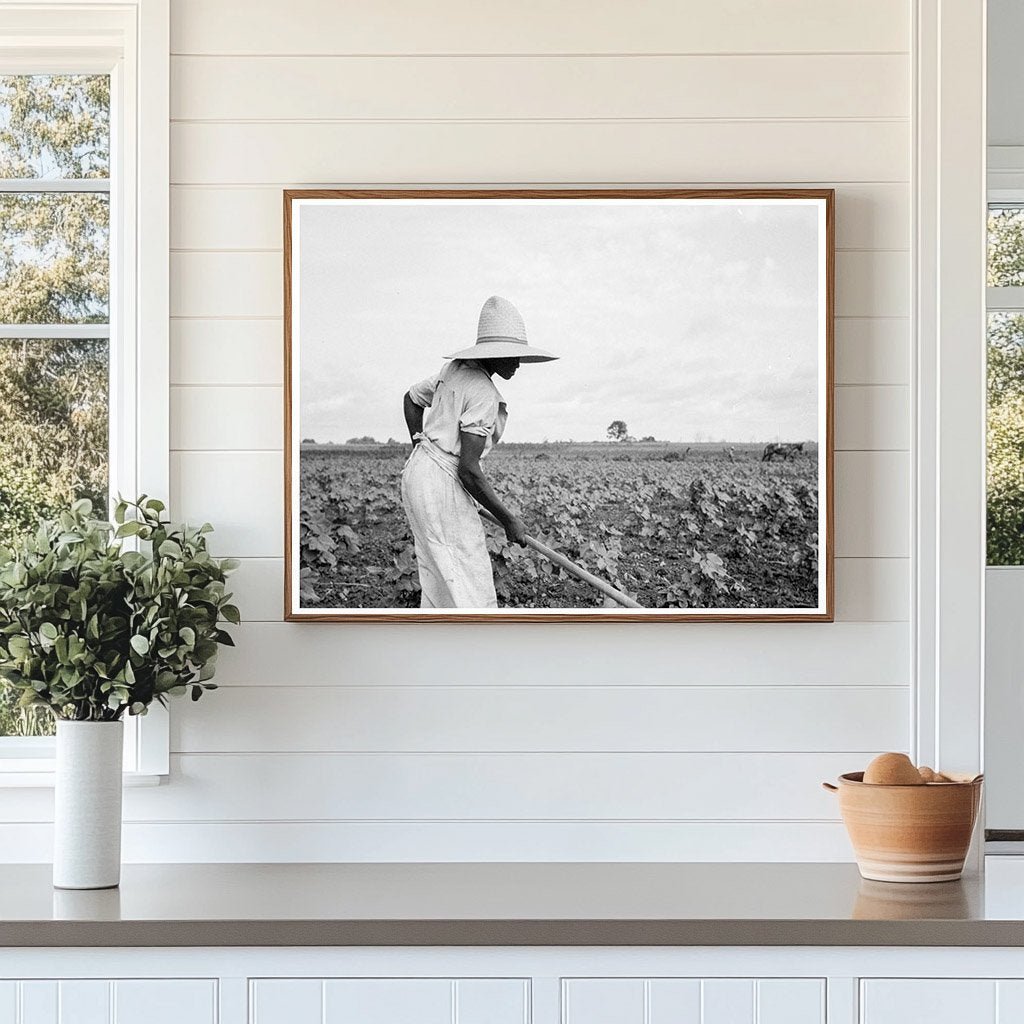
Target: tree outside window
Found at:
x=54, y=307
x=1005, y=484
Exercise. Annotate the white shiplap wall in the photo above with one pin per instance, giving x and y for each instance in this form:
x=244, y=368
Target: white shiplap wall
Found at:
x=661, y=741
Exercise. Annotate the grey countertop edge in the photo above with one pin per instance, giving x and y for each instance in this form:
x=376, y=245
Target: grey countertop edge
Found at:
x=478, y=932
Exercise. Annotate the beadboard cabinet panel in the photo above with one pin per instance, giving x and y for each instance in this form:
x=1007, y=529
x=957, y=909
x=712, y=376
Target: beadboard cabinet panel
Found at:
x=693, y=1001
x=103, y=1001
x=388, y=1001
x=286, y=1001
x=931, y=1001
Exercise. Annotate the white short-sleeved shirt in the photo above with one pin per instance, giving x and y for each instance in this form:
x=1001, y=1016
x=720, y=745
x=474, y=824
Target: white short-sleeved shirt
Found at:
x=460, y=397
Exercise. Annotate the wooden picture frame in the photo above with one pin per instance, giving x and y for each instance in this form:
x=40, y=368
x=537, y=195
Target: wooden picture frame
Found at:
x=813, y=459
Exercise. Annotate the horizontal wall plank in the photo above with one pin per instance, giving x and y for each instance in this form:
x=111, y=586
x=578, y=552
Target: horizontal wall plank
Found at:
x=251, y=418
x=873, y=589
x=452, y=842
x=872, y=501
x=729, y=653
x=867, y=589
x=241, y=494
x=410, y=719
x=258, y=586
x=227, y=352
x=205, y=284
x=249, y=284
x=248, y=787
x=556, y=151
x=235, y=418
x=527, y=88
x=873, y=283
x=868, y=216
x=869, y=350
x=576, y=26
x=872, y=350
x=871, y=418
x=224, y=217
x=875, y=216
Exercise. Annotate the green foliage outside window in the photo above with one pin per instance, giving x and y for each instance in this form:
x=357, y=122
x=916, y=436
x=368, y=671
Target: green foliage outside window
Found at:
x=54, y=269
x=1005, y=485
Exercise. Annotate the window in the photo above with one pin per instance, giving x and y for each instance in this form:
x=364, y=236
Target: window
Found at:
x=54, y=309
x=1005, y=478
x=1004, y=578
x=84, y=123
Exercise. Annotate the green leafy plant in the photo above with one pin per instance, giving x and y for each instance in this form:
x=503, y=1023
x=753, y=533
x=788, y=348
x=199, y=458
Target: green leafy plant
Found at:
x=91, y=630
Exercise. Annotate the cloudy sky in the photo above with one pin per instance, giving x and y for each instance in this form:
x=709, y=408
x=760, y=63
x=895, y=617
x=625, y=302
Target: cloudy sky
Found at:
x=688, y=320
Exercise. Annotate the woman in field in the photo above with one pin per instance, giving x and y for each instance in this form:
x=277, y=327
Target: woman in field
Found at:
x=454, y=418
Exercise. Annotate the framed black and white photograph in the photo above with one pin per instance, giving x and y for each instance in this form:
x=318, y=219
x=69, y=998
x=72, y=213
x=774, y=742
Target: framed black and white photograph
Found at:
x=559, y=405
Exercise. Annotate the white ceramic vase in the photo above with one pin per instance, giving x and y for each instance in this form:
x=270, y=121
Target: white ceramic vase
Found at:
x=87, y=805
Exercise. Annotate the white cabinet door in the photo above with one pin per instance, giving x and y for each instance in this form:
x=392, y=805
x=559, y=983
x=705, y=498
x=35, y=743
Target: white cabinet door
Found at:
x=105, y=1001
x=693, y=1001
x=388, y=1000
x=941, y=1001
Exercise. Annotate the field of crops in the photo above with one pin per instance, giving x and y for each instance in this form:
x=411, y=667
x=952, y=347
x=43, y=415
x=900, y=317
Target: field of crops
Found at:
x=674, y=526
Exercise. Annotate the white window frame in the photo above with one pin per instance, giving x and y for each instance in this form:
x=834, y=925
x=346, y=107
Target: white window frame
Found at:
x=948, y=456
x=1004, y=718
x=130, y=41
x=1005, y=299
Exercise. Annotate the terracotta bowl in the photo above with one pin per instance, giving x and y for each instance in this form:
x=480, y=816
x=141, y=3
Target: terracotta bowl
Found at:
x=909, y=833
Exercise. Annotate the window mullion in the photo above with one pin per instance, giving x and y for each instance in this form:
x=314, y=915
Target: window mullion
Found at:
x=1005, y=300
x=63, y=332
x=54, y=184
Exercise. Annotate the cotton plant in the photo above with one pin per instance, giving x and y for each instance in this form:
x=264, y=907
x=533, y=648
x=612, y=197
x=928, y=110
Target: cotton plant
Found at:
x=98, y=619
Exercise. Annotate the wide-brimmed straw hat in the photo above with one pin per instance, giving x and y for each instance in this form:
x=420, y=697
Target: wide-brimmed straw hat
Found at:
x=501, y=334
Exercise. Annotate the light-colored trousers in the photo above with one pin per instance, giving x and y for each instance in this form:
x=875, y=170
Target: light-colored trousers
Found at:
x=451, y=545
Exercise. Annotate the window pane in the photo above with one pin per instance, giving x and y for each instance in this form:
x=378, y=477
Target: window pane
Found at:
x=1005, y=246
x=54, y=257
x=1005, y=439
x=54, y=126
x=53, y=449
x=17, y=721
